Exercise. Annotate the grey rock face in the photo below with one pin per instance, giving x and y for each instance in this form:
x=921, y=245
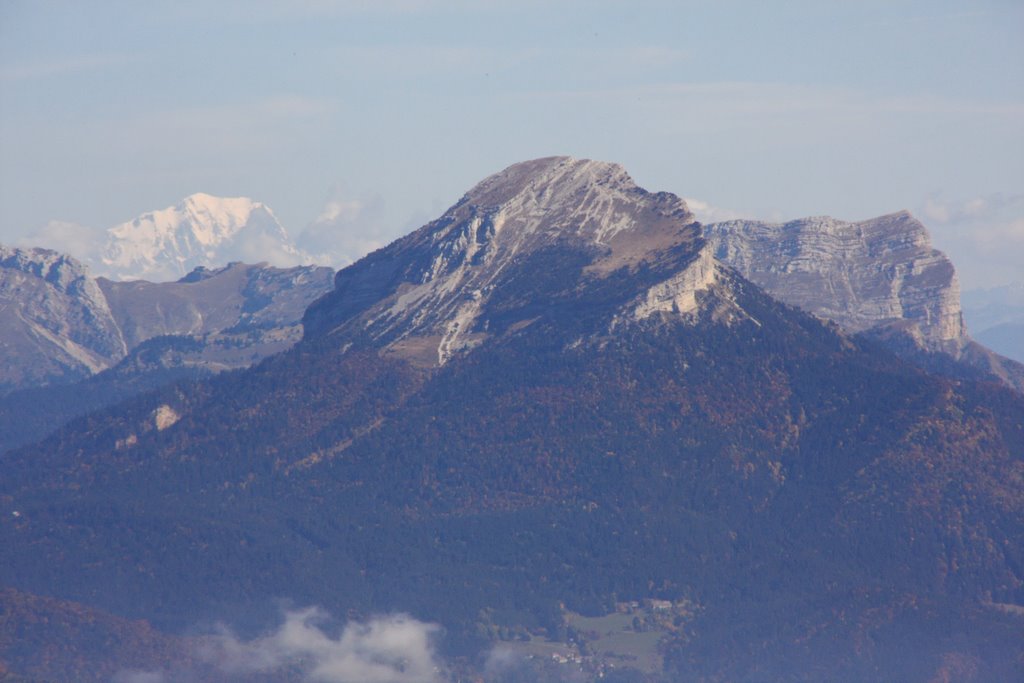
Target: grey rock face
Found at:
x=880, y=276
x=431, y=294
x=55, y=324
x=871, y=275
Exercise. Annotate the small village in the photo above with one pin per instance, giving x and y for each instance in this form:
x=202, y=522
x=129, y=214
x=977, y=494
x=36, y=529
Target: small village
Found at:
x=626, y=644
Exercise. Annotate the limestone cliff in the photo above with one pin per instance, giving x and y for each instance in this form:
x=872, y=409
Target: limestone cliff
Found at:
x=881, y=276
x=55, y=324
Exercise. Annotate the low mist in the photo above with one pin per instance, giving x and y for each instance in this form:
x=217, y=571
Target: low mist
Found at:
x=385, y=649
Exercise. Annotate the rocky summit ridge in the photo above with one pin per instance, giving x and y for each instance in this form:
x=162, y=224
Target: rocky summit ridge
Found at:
x=881, y=277
x=429, y=295
x=55, y=320
x=434, y=292
x=862, y=275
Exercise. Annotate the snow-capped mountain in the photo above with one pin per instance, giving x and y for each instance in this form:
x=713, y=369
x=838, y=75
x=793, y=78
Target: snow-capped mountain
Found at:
x=201, y=230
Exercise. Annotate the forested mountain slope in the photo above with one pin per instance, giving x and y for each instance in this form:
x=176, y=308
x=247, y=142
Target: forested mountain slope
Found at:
x=554, y=397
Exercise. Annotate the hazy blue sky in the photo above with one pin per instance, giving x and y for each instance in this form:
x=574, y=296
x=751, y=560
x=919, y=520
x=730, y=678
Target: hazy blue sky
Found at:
x=388, y=110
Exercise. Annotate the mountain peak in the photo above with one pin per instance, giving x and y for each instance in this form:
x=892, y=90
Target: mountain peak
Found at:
x=555, y=200
x=565, y=197
x=435, y=289
x=55, y=319
x=60, y=270
x=200, y=230
x=225, y=212
x=559, y=172
x=878, y=274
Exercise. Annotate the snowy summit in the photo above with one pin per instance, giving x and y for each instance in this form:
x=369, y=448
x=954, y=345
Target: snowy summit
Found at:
x=201, y=230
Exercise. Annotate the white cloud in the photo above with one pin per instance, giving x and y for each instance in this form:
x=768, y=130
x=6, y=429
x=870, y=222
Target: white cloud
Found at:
x=79, y=241
x=346, y=230
x=388, y=649
x=988, y=208
x=984, y=236
x=259, y=247
x=1004, y=234
x=341, y=210
x=708, y=213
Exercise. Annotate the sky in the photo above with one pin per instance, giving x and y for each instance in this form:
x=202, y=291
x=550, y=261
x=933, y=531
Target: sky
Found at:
x=379, y=114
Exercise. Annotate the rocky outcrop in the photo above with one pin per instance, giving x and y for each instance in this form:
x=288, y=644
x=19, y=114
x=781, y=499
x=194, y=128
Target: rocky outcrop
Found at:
x=879, y=273
x=881, y=277
x=55, y=324
x=678, y=294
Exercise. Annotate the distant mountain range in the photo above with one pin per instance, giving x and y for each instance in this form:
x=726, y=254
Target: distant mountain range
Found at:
x=199, y=231
x=880, y=276
x=996, y=316
x=562, y=402
x=62, y=324
x=72, y=343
